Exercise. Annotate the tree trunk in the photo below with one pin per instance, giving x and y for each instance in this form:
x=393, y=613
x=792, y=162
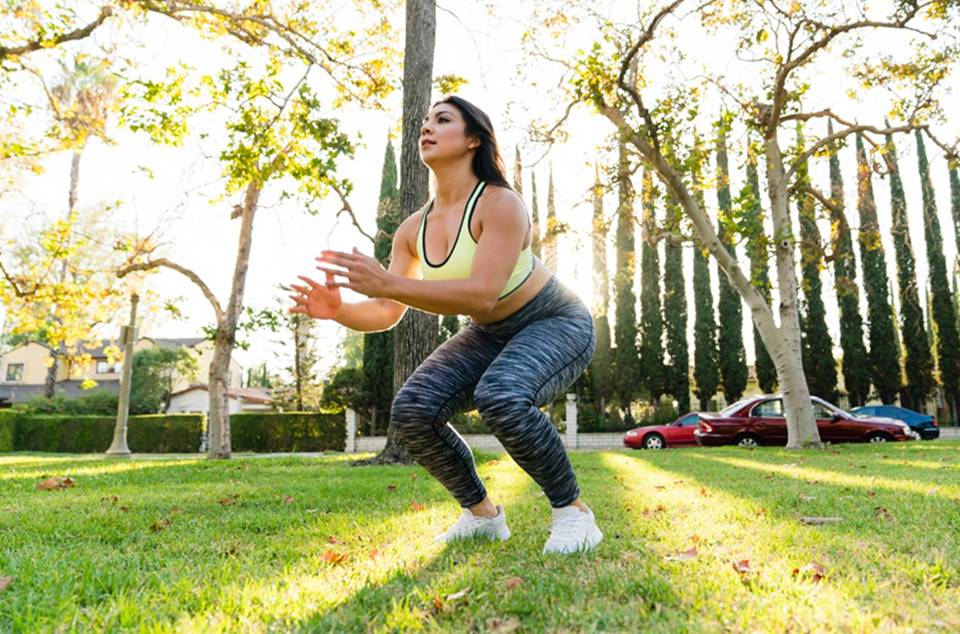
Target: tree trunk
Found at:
x=416, y=334
x=218, y=419
x=783, y=343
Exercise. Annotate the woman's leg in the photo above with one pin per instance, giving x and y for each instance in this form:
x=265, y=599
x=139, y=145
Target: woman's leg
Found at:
x=442, y=386
x=536, y=365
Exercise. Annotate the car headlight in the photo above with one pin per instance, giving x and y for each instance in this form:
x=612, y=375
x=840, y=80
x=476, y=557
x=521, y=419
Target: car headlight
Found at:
x=632, y=433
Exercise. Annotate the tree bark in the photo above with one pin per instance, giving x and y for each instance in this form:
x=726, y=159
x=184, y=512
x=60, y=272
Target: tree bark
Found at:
x=416, y=334
x=218, y=419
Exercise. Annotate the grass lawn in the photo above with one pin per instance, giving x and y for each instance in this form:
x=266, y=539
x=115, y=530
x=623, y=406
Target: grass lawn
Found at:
x=696, y=540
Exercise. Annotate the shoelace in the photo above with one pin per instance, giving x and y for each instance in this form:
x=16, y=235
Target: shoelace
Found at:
x=466, y=522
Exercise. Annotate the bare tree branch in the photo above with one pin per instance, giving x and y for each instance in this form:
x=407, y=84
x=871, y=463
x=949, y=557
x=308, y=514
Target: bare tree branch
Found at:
x=348, y=209
x=76, y=34
x=193, y=277
x=841, y=134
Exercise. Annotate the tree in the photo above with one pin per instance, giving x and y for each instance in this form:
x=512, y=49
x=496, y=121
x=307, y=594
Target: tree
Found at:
x=733, y=358
x=884, y=352
x=297, y=388
x=549, y=246
x=416, y=335
x=626, y=363
x=155, y=372
x=918, y=361
x=944, y=313
x=777, y=50
x=449, y=326
x=856, y=367
x=600, y=371
x=653, y=368
x=378, y=347
x=818, y=362
x=535, y=243
x=675, y=310
x=706, y=369
x=757, y=249
x=517, y=172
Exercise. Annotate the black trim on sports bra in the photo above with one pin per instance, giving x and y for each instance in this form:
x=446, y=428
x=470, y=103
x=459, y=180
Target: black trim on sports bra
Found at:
x=533, y=266
x=466, y=209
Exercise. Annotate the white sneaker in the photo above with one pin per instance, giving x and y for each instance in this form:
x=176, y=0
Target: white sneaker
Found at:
x=572, y=531
x=470, y=525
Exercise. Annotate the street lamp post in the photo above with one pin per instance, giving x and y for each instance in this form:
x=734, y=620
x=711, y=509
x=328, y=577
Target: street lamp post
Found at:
x=128, y=335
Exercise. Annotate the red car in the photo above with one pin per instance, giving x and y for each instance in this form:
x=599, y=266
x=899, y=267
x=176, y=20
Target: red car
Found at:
x=759, y=420
x=679, y=433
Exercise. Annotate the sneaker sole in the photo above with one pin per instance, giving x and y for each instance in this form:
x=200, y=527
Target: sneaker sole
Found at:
x=591, y=542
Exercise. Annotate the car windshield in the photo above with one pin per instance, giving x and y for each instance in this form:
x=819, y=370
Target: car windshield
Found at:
x=731, y=409
x=822, y=409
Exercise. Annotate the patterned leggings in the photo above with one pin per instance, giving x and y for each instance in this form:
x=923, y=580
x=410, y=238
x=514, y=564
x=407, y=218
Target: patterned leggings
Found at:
x=506, y=370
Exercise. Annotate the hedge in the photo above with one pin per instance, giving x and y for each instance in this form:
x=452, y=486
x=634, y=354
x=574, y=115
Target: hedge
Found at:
x=155, y=433
x=8, y=420
x=289, y=431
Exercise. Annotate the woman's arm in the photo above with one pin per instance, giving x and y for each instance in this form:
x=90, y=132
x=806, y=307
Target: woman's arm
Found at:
x=504, y=230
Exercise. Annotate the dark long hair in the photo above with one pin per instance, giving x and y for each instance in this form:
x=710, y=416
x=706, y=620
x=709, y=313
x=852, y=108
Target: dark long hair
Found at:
x=487, y=164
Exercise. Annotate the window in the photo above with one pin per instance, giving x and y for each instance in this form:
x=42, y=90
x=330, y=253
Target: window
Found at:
x=103, y=367
x=821, y=411
x=689, y=421
x=769, y=409
x=14, y=372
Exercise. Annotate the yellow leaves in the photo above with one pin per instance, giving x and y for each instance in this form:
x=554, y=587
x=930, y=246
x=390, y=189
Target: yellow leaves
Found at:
x=88, y=384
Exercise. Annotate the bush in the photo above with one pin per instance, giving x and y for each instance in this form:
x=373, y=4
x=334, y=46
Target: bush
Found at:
x=289, y=431
x=176, y=433
x=8, y=420
x=94, y=403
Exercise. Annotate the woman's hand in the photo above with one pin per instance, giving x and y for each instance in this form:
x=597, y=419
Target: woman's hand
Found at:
x=365, y=274
x=320, y=301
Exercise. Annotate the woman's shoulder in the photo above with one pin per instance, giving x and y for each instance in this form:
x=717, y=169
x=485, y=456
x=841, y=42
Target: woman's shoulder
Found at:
x=502, y=198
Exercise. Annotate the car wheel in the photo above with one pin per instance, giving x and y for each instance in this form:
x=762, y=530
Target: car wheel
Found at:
x=878, y=437
x=654, y=441
x=748, y=440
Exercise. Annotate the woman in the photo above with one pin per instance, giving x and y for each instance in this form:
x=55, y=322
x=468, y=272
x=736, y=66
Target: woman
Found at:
x=468, y=252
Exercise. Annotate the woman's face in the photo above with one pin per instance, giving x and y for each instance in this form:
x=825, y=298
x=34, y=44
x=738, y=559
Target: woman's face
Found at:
x=442, y=135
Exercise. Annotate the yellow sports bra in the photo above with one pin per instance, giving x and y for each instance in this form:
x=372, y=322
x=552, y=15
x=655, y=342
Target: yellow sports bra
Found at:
x=458, y=262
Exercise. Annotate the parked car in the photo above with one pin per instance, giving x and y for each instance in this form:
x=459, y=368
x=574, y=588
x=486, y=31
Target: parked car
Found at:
x=923, y=424
x=759, y=420
x=679, y=433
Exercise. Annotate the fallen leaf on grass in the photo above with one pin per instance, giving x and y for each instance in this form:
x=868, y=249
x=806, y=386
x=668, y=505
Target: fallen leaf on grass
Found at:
x=332, y=540
x=806, y=498
x=761, y=512
x=417, y=507
x=512, y=582
x=110, y=498
x=229, y=500
x=882, y=513
x=5, y=582
x=659, y=487
x=413, y=475
x=159, y=525
x=374, y=553
x=231, y=550
x=647, y=512
x=814, y=571
x=458, y=595
x=124, y=508
x=289, y=499
x=56, y=484
x=696, y=539
x=703, y=492
x=500, y=625
x=686, y=555
x=176, y=510
x=871, y=494
x=391, y=488
x=820, y=521
x=334, y=558
x=769, y=476
x=742, y=568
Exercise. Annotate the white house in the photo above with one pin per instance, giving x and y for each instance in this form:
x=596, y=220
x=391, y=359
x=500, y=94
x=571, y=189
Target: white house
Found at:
x=242, y=399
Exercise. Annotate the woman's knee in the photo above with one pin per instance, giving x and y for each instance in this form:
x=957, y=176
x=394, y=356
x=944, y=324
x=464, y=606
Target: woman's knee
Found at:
x=497, y=405
x=412, y=408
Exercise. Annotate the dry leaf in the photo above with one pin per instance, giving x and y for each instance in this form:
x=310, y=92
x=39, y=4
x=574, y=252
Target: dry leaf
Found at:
x=814, y=571
x=417, y=507
x=882, y=513
x=437, y=603
x=229, y=500
x=742, y=567
x=500, y=625
x=820, y=521
x=334, y=558
x=124, y=508
x=391, y=488
x=56, y=484
x=413, y=475
x=110, y=498
x=761, y=512
x=458, y=595
x=332, y=540
x=374, y=553
x=686, y=555
x=696, y=539
x=769, y=476
x=159, y=525
x=660, y=487
x=512, y=582
x=871, y=494
x=5, y=582
x=288, y=499
x=703, y=492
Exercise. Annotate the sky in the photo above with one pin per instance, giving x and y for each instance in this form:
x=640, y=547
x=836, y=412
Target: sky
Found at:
x=481, y=42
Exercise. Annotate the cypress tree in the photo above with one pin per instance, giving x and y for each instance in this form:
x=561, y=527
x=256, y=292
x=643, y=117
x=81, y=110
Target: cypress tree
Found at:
x=706, y=369
x=856, y=369
x=449, y=326
x=883, y=343
x=517, y=173
x=955, y=200
x=733, y=358
x=626, y=360
x=757, y=248
x=600, y=370
x=553, y=228
x=675, y=310
x=653, y=370
x=535, y=212
x=918, y=362
x=378, y=346
x=944, y=312
x=818, y=362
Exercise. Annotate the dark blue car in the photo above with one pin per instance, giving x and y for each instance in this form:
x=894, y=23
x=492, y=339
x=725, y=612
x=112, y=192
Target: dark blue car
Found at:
x=923, y=424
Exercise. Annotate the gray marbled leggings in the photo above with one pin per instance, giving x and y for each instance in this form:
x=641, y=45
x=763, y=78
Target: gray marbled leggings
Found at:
x=506, y=370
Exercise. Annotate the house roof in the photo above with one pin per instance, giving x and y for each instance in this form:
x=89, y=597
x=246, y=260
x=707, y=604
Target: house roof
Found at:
x=98, y=351
x=180, y=342
x=249, y=394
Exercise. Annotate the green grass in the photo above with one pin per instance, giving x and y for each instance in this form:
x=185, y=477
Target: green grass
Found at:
x=263, y=563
